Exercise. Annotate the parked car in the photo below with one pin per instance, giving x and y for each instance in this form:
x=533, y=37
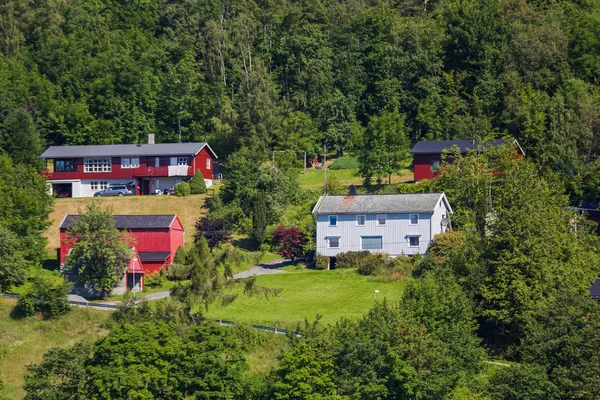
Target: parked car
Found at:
x=114, y=190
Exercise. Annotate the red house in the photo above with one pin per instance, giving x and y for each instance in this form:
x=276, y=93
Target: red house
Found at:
x=156, y=238
x=81, y=171
x=427, y=154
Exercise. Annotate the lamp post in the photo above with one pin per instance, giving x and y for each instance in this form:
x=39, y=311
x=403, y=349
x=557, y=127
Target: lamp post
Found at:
x=375, y=294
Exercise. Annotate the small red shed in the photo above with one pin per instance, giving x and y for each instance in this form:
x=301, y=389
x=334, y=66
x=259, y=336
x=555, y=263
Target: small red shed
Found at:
x=427, y=154
x=156, y=238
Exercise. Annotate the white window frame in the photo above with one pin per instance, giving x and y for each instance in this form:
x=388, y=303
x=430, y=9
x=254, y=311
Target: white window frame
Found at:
x=364, y=222
x=97, y=164
x=130, y=162
x=94, y=185
x=418, y=241
x=410, y=217
x=157, y=161
x=329, y=246
x=208, y=163
x=182, y=161
x=336, y=220
x=103, y=185
x=384, y=219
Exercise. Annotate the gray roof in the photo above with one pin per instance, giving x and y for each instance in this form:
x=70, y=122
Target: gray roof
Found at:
x=119, y=150
x=437, y=146
x=379, y=203
x=154, y=256
x=130, y=221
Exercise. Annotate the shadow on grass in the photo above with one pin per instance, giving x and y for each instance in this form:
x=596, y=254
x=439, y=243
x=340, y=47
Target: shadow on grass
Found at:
x=245, y=244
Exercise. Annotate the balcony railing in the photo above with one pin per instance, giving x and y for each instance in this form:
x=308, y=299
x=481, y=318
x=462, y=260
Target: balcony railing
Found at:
x=175, y=170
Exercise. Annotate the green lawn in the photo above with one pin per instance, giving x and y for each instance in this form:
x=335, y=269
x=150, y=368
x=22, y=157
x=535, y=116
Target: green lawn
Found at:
x=345, y=177
x=332, y=294
x=27, y=340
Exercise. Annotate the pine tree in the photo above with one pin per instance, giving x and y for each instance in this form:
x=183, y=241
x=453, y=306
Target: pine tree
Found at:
x=259, y=218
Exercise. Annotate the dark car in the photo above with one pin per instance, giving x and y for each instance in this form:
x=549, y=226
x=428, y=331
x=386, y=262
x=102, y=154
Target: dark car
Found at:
x=115, y=190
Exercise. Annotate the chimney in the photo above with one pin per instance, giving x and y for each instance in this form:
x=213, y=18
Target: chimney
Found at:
x=151, y=138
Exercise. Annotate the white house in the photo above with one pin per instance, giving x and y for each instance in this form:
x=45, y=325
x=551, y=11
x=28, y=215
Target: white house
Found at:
x=396, y=224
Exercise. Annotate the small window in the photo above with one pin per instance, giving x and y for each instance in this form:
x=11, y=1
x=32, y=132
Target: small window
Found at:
x=333, y=242
x=208, y=163
x=157, y=161
x=135, y=162
x=103, y=185
x=360, y=220
x=94, y=185
x=125, y=162
x=182, y=161
x=381, y=219
x=413, y=241
x=333, y=220
x=414, y=219
x=372, y=242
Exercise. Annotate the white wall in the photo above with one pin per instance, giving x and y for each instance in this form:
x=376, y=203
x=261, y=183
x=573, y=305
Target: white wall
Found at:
x=394, y=233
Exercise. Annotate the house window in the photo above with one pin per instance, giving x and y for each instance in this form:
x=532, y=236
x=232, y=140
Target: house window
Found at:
x=413, y=241
x=372, y=242
x=333, y=242
x=157, y=161
x=97, y=165
x=333, y=220
x=182, y=161
x=130, y=162
x=360, y=220
x=103, y=185
x=413, y=219
x=381, y=219
x=94, y=185
x=65, y=166
x=208, y=163
x=435, y=166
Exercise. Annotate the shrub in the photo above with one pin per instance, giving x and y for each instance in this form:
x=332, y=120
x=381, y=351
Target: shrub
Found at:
x=290, y=242
x=350, y=259
x=155, y=279
x=182, y=189
x=369, y=264
x=180, y=255
x=321, y=262
x=46, y=296
x=215, y=231
x=345, y=162
x=178, y=272
x=197, y=183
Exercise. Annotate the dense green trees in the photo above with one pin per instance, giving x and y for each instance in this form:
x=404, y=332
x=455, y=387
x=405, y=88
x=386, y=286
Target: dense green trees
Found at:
x=296, y=75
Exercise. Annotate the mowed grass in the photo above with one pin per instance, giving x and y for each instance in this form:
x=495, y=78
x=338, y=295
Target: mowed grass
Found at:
x=331, y=294
x=345, y=177
x=27, y=340
x=189, y=209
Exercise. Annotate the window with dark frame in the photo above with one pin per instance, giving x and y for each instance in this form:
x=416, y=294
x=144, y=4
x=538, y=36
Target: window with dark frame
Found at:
x=333, y=220
x=333, y=242
x=360, y=220
x=413, y=241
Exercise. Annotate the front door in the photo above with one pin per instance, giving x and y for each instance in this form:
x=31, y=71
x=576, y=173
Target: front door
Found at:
x=145, y=187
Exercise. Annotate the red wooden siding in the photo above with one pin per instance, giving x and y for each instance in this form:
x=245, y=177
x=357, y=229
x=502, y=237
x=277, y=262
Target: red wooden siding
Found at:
x=145, y=241
x=422, y=164
x=200, y=163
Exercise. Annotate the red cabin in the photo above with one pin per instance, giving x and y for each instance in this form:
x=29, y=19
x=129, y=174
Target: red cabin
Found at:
x=82, y=171
x=427, y=154
x=156, y=238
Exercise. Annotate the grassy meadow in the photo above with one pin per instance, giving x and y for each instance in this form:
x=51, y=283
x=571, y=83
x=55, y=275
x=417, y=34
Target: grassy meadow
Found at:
x=25, y=341
x=331, y=294
x=344, y=177
x=188, y=208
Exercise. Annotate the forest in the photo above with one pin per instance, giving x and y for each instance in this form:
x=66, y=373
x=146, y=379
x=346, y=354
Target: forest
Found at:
x=498, y=308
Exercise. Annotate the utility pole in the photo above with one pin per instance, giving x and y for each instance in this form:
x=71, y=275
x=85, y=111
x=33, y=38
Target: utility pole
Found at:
x=304, y=163
x=325, y=168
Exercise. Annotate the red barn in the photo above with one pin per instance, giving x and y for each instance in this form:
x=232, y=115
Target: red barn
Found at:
x=82, y=171
x=156, y=238
x=427, y=154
